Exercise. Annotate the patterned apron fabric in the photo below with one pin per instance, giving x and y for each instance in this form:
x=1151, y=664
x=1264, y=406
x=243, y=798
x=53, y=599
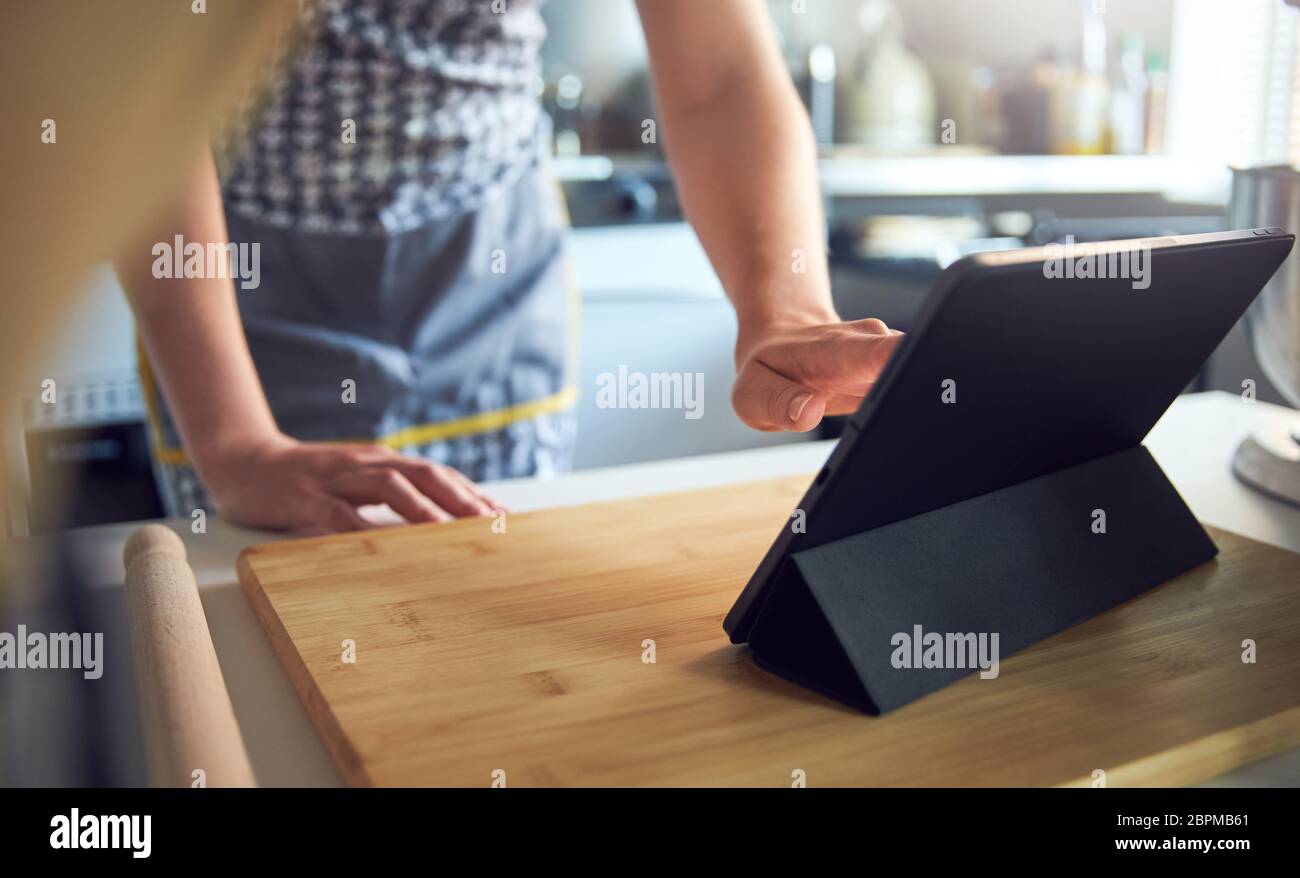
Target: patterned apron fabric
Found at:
x=390, y=114
x=456, y=337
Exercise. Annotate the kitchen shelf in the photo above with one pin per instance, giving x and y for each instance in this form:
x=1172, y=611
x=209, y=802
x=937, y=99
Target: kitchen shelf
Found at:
x=1188, y=180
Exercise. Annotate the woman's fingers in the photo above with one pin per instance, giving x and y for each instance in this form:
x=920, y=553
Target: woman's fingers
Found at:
x=492, y=504
x=339, y=516
x=318, y=487
x=320, y=514
x=444, y=486
x=418, y=490
x=435, y=479
x=387, y=485
x=768, y=401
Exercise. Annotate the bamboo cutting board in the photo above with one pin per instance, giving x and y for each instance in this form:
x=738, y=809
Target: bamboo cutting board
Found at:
x=522, y=656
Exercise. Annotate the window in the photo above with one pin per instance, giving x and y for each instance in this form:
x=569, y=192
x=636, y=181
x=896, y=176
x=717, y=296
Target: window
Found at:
x=1235, y=82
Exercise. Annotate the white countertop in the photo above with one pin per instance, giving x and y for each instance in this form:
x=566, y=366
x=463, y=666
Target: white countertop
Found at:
x=1193, y=443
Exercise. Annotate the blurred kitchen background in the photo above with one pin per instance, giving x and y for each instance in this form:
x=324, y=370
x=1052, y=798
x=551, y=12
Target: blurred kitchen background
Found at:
x=946, y=127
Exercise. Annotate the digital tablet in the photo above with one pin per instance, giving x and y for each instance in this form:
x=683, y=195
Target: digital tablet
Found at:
x=1022, y=363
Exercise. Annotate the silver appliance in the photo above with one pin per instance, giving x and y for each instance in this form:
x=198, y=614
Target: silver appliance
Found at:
x=1266, y=197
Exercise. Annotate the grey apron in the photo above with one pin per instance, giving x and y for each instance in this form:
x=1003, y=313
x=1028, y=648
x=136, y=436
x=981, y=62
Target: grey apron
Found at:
x=452, y=341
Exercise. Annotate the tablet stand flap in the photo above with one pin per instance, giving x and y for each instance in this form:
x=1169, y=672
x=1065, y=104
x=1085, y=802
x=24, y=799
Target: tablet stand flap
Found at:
x=883, y=617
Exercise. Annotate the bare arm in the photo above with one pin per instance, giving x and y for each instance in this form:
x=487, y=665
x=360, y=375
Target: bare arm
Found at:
x=742, y=153
x=258, y=476
x=191, y=331
x=744, y=159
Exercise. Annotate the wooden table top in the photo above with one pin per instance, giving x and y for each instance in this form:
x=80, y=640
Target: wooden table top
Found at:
x=523, y=655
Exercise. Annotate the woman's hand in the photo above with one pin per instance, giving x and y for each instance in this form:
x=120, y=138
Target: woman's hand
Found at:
x=318, y=487
x=790, y=375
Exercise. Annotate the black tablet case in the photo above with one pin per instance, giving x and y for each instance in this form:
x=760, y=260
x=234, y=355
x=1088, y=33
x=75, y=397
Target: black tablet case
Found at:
x=1023, y=562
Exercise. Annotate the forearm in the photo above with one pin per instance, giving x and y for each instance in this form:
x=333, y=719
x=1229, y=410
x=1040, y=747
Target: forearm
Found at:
x=748, y=181
x=745, y=164
x=191, y=331
x=744, y=160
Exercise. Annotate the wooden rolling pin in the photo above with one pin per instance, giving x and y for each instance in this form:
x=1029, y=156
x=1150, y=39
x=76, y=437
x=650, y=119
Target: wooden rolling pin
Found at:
x=191, y=736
